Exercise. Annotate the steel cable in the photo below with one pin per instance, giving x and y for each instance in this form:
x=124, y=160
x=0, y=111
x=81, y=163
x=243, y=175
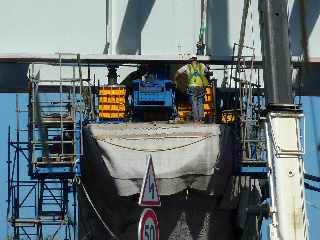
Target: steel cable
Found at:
x=157, y=150
x=78, y=180
x=312, y=188
x=311, y=177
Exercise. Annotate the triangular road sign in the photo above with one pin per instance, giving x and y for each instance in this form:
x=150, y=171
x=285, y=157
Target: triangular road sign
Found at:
x=149, y=195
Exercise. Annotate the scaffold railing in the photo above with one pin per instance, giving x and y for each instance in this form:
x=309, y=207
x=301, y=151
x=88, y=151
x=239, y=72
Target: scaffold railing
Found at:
x=250, y=108
x=55, y=124
x=42, y=202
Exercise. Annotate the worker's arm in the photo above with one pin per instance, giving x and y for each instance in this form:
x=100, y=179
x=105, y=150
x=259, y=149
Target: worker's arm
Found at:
x=183, y=69
x=205, y=69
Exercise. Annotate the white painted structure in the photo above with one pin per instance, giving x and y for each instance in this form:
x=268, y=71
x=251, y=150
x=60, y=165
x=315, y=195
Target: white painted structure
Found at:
x=147, y=27
x=285, y=148
x=136, y=27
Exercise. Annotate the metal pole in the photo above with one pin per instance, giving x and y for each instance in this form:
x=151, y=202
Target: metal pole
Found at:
x=30, y=125
x=74, y=209
x=275, y=51
x=289, y=220
x=271, y=177
x=61, y=108
x=243, y=27
x=283, y=133
x=9, y=165
x=9, y=179
x=112, y=74
x=18, y=162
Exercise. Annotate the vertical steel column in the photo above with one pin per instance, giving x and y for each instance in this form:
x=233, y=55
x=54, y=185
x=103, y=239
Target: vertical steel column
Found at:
x=30, y=126
x=275, y=50
x=283, y=131
x=75, y=216
x=9, y=169
x=285, y=150
x=18, y=164
x=112, y=74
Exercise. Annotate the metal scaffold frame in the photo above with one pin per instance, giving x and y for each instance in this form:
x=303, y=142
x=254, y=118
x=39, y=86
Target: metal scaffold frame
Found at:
x=39, y=205
x=55, y=126
x=50, y=148
x=246, y=103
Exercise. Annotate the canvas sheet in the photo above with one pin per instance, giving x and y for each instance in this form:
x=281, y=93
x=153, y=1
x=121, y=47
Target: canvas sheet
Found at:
x=197, y=156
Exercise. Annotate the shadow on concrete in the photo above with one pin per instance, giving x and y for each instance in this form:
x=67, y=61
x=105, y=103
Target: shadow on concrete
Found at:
x=136, y=15
x=106, y=49
x=218, y=28
x=108, y=206
x=312, y=15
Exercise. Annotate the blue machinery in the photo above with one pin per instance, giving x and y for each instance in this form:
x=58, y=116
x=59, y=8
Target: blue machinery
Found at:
x=156, y=94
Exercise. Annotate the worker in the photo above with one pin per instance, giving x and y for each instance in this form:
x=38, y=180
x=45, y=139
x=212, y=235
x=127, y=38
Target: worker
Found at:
x=56, y=149
x=197, y=81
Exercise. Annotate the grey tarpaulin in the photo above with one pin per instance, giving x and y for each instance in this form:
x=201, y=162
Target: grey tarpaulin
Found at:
x=193, y=164
x=183, y=155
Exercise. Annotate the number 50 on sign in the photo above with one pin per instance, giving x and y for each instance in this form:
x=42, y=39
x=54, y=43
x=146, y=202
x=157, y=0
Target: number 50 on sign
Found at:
x=148, y=226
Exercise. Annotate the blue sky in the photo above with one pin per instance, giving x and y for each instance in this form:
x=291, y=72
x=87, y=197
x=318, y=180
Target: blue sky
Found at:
x=311, y=160
x=7, y=116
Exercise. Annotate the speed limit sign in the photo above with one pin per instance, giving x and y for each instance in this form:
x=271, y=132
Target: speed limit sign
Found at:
x=148, y=226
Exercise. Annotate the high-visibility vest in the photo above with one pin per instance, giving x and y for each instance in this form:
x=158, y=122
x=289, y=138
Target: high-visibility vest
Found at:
x=196, y=75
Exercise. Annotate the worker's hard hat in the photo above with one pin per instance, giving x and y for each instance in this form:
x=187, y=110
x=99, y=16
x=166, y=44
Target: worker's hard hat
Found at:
x=194, y=56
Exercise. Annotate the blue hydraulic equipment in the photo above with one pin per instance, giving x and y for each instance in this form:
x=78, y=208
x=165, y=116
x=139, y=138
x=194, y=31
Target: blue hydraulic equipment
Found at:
x=158, y=93
x=153, y=97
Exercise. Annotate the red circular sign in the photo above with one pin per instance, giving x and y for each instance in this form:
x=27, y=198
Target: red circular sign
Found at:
x=148, y=226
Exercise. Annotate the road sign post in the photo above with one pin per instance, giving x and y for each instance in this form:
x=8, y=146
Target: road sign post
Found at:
x=148, y=226
x=149, y=195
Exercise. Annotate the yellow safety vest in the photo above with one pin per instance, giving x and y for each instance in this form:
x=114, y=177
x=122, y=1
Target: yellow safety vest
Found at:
x=196, y=75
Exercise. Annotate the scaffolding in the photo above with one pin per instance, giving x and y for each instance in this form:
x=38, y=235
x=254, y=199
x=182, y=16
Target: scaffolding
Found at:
x=45, y=199
x=248, y=102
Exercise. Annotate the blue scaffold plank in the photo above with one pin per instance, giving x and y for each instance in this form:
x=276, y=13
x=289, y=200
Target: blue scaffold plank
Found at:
x=52, y=171
x=254, y=172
